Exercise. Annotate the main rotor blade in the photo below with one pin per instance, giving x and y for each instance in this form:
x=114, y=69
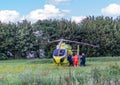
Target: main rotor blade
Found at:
x=53, y=41
x=64, y=40
x=81, y=43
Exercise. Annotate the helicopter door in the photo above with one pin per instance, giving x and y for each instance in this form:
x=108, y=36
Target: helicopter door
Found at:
x=59, y=52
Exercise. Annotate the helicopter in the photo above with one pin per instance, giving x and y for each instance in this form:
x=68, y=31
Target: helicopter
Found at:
x=63, y=50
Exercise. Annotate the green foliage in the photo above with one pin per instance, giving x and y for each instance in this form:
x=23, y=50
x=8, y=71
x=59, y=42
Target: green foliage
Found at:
x=3, y=56
x=24, y=36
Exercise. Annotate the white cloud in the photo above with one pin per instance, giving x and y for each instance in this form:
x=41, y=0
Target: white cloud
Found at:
x=49, y=11
x=9, y=16
x=112, y=9
x=78, y=19
x=59, y=1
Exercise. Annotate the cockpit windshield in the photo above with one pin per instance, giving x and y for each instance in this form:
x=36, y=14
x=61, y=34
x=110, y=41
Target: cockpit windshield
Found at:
x=59, y=52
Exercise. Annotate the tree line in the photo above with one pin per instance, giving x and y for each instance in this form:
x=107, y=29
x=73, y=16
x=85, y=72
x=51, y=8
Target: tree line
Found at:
x=25, y=36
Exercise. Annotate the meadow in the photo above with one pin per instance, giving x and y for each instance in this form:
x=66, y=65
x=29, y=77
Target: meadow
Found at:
x=98, y=71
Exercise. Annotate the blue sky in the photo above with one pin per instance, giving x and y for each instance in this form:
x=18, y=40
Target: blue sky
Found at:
x=76, y=10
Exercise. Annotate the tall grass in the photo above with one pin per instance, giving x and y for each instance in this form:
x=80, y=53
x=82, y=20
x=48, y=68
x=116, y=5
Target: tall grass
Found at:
x=109, y=76
x=41, y=72
x=103, y=59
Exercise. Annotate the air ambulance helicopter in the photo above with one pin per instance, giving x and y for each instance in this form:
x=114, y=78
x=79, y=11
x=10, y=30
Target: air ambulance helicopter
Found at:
x=63, y=50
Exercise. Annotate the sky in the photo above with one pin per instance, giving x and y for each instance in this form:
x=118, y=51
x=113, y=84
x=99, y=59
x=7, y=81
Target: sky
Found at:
x=75, y=10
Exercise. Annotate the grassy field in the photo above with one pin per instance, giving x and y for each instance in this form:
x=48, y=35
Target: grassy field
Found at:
x=98, y=71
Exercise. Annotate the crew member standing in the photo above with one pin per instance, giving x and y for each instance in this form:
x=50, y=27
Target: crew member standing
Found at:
x=70, y=60
x=75, y=60
x=82, y=60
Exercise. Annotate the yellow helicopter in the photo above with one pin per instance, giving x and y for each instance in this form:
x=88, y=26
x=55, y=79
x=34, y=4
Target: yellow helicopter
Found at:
x=63, y=50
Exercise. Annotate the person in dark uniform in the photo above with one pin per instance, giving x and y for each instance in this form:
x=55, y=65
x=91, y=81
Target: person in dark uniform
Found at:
x=82, y=60
x=70, y=60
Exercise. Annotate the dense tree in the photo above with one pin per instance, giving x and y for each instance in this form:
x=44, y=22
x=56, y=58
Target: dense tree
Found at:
x=23, y=36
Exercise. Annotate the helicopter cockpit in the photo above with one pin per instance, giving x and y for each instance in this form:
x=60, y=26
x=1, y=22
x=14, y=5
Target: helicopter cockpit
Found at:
x=59, y=52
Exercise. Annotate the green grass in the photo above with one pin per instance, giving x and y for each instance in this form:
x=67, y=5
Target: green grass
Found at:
x=44, y=72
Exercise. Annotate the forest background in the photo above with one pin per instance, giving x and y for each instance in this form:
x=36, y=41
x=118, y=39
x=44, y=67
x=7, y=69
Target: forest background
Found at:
x=22, y=37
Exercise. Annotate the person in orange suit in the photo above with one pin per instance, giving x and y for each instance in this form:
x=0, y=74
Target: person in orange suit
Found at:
x=75, y=60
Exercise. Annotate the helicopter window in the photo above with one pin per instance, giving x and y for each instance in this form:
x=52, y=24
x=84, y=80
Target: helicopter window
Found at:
x=59, y=52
